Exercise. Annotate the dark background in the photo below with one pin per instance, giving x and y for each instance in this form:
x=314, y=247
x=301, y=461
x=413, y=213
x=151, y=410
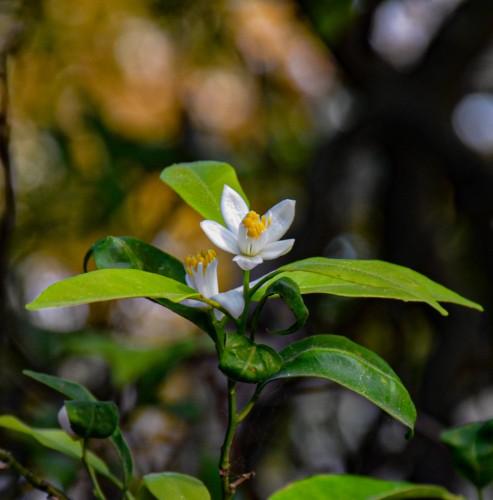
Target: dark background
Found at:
x=377, y=117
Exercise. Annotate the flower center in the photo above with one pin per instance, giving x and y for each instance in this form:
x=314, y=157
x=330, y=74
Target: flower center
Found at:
x=205, y=257
x=254, y=224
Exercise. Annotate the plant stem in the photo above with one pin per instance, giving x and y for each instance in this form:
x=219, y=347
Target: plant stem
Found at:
x=480, y=493
x=98, y=493
x=30, y=477
x=225, y=459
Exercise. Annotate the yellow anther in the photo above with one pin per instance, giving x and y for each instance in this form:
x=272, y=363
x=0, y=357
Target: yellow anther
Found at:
x=254, y=224
x=205, y=257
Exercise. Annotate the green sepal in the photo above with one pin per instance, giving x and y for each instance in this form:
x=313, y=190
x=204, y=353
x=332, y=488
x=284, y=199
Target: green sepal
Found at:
x=244, y=361
x=93, y=419
x=472, y=451
x=289, y=292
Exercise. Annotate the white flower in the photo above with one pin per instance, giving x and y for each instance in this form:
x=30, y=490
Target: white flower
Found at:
x=253, y=238
x=201, y=275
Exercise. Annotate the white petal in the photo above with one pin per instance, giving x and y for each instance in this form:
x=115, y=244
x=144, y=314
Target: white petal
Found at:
x=282, y=216
x=233, y=208
x=232, y=301
x=276, y=249
x=247, y=263
x=220, y=236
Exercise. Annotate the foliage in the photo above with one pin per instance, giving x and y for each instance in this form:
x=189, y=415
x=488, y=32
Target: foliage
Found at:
x=128, y=268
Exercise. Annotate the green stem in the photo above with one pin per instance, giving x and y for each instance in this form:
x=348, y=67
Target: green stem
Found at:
x=248, y=407
x=480, y=493
x=225, y=459
x=98, y=493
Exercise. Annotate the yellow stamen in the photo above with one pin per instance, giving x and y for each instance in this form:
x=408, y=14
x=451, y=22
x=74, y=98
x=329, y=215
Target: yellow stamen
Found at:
x=205, y=257
x=254, y=224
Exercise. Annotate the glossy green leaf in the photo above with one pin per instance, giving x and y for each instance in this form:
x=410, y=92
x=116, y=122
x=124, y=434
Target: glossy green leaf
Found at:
x=93, y=419
x=58, y=440
x=347, y=487
x=124, y=252
x=472, y=451
x=111, y=284
x=172, y=485
x=369, y=278
x=245, y=361
x=351, y=365
x=73, y=390
x=201, y=185
x=289, y=292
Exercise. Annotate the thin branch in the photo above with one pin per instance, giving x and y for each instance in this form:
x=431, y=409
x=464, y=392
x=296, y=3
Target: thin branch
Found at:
x=39, y=483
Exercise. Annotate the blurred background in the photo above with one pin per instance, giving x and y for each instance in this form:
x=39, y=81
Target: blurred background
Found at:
x=376, y=116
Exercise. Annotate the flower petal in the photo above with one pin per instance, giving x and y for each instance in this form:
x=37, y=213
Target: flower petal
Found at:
x=276, y=249
x=233, y=208
x=220, y=236
x=282, y=216
x=232, y=301
x=247, y=263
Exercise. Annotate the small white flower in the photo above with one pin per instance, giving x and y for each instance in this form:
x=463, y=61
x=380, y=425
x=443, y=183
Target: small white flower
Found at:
x=64, y=422
x=251, y=237
x=201, y=275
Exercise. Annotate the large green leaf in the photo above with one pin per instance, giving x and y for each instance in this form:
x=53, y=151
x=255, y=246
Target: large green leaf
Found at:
x=351, y=365
x=124, y=252
x=369, y=278
x=347, y=487
x=201, y=185
x=111, y=284
x=172, y=485
x=58, y=440
x=76, y=391
x=472, y=451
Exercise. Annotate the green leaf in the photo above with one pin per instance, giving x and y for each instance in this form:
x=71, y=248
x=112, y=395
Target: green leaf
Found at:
x=245, y=361
x=111, y=284
x=73, y=390
x=172, y=485
x=351, y=365
x=347, y=487
x=125, y=456
x=58, y=440
x=472, y=451
x=93, y=419
x=289, y=292
x=201, y=185
x=124, y=252
x=369, y=278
